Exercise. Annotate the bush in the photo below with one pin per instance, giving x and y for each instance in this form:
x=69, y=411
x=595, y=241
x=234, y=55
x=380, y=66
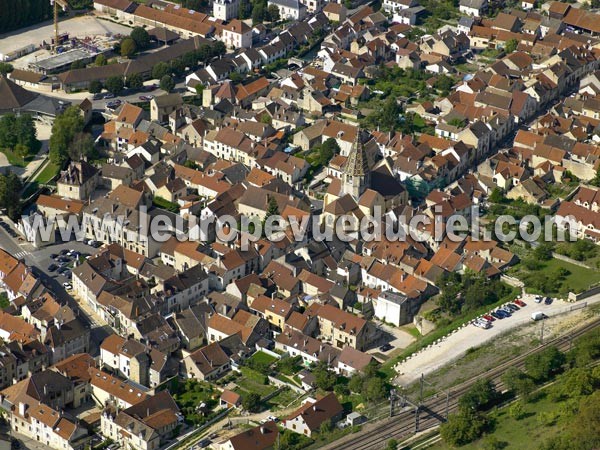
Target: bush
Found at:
x=95, y=87
x=166, y=83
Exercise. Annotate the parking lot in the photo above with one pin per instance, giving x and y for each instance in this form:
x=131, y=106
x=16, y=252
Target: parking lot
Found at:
x=456, y=344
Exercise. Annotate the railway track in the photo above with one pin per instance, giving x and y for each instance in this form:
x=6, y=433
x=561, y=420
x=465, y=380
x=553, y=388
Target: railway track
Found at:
x=433, y=409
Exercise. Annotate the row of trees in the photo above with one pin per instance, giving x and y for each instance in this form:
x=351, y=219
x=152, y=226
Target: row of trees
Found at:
x=18, y=134
x=18, y=14
x=163, y=71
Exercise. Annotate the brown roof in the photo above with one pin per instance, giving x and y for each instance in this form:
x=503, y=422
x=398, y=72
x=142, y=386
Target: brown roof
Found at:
x=262, y=437
x=314, y=414
x=115, y=387
x=62, y=204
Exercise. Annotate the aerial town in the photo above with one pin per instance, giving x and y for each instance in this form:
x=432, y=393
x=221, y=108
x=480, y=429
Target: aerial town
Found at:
x=299, y=224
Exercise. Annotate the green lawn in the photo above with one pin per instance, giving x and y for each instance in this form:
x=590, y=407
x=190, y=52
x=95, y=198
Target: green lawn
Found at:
x=165, y=204
x=263, y=358
x=528, y=432
x=190, y=394
x=578, y=279
x=48, y=173
x=17, y=160
x=253, y=381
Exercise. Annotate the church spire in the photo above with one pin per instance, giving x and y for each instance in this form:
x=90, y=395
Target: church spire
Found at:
x=357, y=173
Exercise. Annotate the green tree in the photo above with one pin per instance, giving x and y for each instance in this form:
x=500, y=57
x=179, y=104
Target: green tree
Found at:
x=135, y=81
x=95, y=87
x=374, y=389
x=218, y=48
x=251, y=402
x=82, y=146
x=329, y=149
x=114, y=85
x=542, y=365
x=444, y=84
x=596, y=180
x=166, y=83
x=325, y=428
x=392, y=444
x=510, y=46
x=496, y=196
x=258, y=13
x=77, y=65
x=128, y=48
x=516, y=411
x=140, y=37
x=462, y=428
x=5, y=68
x=355, y=383
x=479, y=397
x=64, y=129
x=272, y=208
x=199, y=89
x=543, y=251
x=273, y=13
x=100, y=60
x=324, y=379
x=177, y=67
x=10, y=194
x=160, y=70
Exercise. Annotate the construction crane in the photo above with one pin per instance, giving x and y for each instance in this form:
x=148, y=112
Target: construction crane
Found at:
x=64, y=5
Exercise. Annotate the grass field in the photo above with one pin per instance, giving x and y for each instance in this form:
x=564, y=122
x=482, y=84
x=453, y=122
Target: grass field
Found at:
x=528, y=432
x=578, y=279
x=253, y=381
x=49, y=172
x=263, y=358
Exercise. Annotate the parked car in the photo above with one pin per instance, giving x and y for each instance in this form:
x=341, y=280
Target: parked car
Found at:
x=503, y=314
x=520, y=302
x=548, y=300
x=53, y=256
x=385, y=347
x=496, y=315
x=64, y=251
x=52, y=267
x=68, y=286
x=488, y=317
x=143, y=98
x=512, y=307
x=98, y=97
x=537, y=299
x=109, y=95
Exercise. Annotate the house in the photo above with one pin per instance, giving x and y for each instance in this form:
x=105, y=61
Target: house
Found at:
x=226, y=9
x=38, y=413
x=335, y=12
x=163, y=105
x=473, y=7
x=236, y=34
x=290, y=9
x=261, y=437
x=146, y=425
x=78, y=181
x=308, y=419
x=351, y=361
x=273, y=310
x=212, y=361
x=340, y=327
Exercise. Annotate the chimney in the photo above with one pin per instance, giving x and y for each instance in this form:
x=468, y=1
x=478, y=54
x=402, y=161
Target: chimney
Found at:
x=263, y=430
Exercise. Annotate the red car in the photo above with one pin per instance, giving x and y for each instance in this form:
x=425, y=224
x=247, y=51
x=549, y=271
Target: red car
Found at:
x=488, y=317
x=520, y=303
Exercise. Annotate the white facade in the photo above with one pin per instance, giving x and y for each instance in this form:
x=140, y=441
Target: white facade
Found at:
x=226, y=9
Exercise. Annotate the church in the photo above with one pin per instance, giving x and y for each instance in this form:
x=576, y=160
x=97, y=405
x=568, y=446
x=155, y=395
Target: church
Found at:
x=363, y=188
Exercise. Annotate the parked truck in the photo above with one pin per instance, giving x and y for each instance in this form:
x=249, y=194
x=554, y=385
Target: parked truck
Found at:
x=538, y=315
